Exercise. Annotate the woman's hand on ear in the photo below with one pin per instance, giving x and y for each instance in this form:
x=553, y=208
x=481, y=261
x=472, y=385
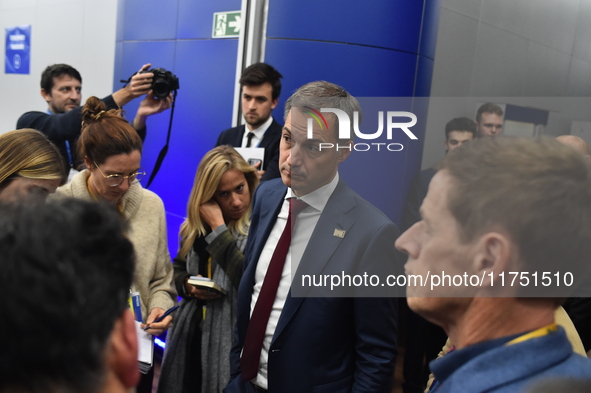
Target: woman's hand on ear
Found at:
x=212, y=214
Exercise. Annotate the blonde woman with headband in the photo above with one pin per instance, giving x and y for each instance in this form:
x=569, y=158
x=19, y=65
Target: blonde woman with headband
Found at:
x=30, y=166
x=212, y=241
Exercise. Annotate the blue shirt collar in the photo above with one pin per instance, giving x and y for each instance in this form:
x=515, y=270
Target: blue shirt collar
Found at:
x=445, y=366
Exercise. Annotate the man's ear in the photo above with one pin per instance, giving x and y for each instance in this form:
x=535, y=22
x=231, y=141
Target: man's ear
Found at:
x=343, y=153
x=123, y=350
x=46, y=95
x=274, y=103
x=494, y=252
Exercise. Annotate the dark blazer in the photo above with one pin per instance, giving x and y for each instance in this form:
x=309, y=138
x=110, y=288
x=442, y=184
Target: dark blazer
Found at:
x=64, y=127
x=270, y=141
x=416, y=195
x=325, y=344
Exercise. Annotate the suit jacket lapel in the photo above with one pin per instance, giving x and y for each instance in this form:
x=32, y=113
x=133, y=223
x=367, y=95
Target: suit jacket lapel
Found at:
x=267, y=218
x=237, y=142
x=321, y=246
x=270, y=134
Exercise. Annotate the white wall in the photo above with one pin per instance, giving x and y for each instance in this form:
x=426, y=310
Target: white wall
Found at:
x=76, y=32
x=513, y=48
x=521, y=50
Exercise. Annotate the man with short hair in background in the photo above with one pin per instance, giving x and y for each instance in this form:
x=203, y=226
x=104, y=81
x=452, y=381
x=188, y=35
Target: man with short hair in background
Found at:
x=61, y=88
x=457, y=132
x=66, y=272
x=489, y=120
x=500, y=208
x=261, y=87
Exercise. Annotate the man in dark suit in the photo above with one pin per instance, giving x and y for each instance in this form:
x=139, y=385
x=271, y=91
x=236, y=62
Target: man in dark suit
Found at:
x=261, y=86
x=291, y=335
x=457, y=131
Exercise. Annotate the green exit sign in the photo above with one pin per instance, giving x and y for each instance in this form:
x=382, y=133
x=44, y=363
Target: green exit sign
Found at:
x=226, y=24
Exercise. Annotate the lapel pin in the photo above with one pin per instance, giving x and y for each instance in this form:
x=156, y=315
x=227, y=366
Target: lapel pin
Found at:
x=339, y=233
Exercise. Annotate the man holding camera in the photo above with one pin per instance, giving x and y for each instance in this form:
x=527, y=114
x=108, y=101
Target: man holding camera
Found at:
x=61, y=87
x=261, y=86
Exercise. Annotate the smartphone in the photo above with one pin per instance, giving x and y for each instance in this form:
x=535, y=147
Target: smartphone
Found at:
x=254, y=161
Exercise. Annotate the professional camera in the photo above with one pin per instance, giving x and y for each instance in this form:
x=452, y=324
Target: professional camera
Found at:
x=163, y=82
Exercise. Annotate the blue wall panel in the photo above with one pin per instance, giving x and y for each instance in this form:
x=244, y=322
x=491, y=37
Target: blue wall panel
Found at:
x=203, y=110
x=424, y=76
x=430, y=25
x=150, y=19
x=381, y=23
x=361, y=70
x=173, y=223
x=135, y=54
x=364, y=72
x=377, y=48
x=196, y=17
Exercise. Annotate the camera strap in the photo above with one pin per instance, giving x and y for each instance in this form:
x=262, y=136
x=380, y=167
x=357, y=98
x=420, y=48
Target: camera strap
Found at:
x=164, y=150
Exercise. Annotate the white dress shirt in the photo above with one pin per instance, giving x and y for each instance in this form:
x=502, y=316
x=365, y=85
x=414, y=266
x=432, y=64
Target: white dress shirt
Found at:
x=302, y=232
x=258, y=133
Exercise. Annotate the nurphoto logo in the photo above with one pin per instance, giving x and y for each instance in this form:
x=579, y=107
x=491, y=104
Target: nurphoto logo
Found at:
x=345, y=128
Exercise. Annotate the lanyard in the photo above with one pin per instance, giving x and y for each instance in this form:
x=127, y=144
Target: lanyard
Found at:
x=543, y=331
x=67, y=145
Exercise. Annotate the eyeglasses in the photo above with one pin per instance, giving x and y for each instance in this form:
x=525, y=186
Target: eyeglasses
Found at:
x=116, y=180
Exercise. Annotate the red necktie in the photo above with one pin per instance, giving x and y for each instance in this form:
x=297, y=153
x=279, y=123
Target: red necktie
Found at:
x=255, y=334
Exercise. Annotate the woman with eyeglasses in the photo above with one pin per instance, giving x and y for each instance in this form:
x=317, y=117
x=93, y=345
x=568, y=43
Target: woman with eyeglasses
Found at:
x=31, y=167
x=197, y=357
x=112, y=152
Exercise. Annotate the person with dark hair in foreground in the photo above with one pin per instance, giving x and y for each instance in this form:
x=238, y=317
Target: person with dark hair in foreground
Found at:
x=66, y=271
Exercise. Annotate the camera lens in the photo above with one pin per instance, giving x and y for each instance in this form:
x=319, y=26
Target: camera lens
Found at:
x=161, y=88
x=163, y=82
